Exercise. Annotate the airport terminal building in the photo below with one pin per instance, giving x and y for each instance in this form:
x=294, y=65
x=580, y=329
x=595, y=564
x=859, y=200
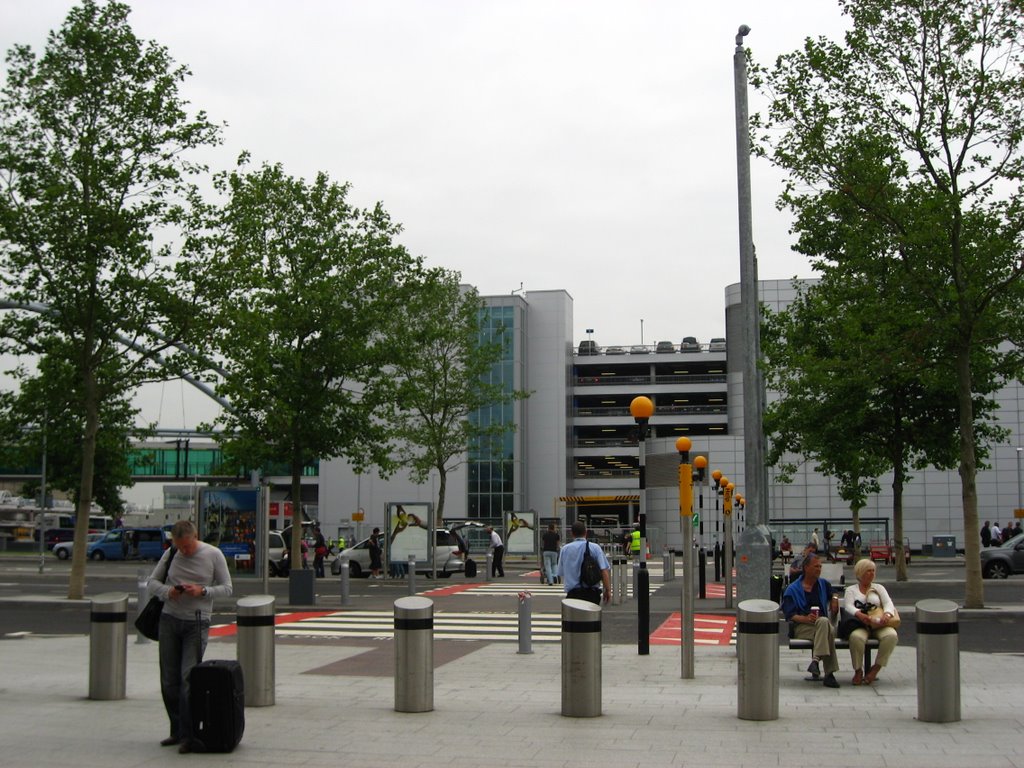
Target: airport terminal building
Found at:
x=575, y=451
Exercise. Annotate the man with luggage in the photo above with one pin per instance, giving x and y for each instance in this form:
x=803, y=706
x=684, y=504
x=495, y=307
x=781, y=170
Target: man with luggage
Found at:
x=570, y=562
x=197, y=574
x=497, y=553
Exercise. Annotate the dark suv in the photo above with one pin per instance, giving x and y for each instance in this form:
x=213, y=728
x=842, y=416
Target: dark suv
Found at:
x=999, y=562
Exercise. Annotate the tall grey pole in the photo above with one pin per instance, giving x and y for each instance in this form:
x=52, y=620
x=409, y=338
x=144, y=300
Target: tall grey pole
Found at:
x=1020, y=486
x=753, y=571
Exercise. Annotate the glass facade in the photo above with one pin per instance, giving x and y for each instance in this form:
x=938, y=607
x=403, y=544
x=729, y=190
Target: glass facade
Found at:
x=495, y=464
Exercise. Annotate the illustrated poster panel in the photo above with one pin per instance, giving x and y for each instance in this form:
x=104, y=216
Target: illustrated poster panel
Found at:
x=227, y=519
x=410, y=534
x=522, y=533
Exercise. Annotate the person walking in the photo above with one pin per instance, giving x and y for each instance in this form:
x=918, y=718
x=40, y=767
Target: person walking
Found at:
x=550, y=542
x=986, y=534
x=188, y=577
x=497, y=553
x=319, y=553
x=375, y=554
x=570, y=562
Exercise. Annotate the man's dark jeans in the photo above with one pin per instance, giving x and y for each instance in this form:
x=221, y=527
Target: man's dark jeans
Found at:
x=179, y=652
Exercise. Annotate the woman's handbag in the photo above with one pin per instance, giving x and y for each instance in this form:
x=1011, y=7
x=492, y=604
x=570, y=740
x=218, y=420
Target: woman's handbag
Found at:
x=148, y=620
x=893, y=622
x=847, y=624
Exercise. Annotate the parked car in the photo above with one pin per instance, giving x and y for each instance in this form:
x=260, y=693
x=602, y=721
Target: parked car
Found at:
x=639, y=349
x=62, y=549
x=689, y=344
x=717, y=344
x=615, y=350
x=129, y=544
x=999, y=562
x=276, y=561
x=664, y=347
x=588, y=347
x=448, y=548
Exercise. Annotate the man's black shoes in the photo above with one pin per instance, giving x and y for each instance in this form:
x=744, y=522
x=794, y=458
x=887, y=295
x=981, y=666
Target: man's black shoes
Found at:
x=830, y=681
x=814, y=669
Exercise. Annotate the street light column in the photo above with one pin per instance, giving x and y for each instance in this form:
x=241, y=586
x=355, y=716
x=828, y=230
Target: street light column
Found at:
x=753, y=570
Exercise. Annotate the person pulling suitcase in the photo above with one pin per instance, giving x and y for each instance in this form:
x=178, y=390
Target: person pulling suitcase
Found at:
x=196, y=576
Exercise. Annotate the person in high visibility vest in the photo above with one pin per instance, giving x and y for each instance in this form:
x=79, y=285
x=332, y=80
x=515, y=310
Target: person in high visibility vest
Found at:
x=634, y=540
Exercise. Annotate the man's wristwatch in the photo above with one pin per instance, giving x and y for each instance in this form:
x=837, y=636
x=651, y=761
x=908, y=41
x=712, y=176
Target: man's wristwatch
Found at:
x=205, y=591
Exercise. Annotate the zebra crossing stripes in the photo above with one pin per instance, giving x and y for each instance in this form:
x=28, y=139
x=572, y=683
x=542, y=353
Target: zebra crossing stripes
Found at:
x=505, y=588
x=448, y=625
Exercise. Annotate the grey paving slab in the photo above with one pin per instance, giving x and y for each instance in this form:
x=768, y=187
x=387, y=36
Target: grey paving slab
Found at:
x=495, y=707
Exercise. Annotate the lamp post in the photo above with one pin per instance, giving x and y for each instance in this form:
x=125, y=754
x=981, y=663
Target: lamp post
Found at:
x=641, y=409
x=754, y=547
x=1020, y=488
x=728, y=488
x=683, y=445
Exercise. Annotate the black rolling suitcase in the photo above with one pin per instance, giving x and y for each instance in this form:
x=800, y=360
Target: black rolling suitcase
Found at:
x=217, y=704
x=470, y=568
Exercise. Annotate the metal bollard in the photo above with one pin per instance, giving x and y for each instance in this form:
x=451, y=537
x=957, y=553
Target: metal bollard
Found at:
x=618, y=580
x=702, y=576
x=108, y=646
x=414, y=654
x=667, y=566
x=256, y=650
x=718, y=562
x=938, y=661
x=142, y=586
x=581, y=659
x=525, y=622
x=643, y=610
x=412, y=574
x=346, y=579
x=757, y=646
x=487, y=567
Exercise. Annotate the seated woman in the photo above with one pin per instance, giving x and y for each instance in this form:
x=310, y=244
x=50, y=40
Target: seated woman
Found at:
x=870, y=604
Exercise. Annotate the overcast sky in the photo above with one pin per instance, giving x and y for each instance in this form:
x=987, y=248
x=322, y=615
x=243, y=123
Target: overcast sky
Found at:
x=586, y=146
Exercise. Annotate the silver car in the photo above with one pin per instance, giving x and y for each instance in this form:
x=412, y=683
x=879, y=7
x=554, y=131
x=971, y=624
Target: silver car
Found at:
x=449, y=547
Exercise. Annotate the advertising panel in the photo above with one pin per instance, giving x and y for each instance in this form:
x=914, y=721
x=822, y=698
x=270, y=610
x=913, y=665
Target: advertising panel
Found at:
x=522, y=533
x=409, y=532
x=228, y=519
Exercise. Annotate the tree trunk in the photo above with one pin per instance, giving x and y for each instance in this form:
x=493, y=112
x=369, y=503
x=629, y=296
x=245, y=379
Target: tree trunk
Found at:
x=442, y=487
x=76, y=583
x=897, y=521
x=974, y=590
x=295, y=546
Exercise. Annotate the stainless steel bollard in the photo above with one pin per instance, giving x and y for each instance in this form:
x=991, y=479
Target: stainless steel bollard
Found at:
x=667, y=566
x=938, y=661
x=346, y=579
x=757, y=646
x=618, y=580
x=142, y=586
x=108, y=646
x=414, y=654
x=255, y=649
x=525, y=622
x=411, y=565
x=487, y=567
x=581, y=658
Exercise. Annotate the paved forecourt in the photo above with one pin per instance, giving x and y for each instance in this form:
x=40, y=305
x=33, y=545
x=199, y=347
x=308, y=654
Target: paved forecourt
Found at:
x=496, y=707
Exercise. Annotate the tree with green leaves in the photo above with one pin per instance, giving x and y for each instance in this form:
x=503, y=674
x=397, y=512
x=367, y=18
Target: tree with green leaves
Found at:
x=904, y=145
x=94, y=139
x=445, y=379
x=857, y=392
x=303, y=287
x=46, y=410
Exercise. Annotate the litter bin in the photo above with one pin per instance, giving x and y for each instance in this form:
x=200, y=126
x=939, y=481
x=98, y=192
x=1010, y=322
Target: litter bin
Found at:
x=943, y=546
